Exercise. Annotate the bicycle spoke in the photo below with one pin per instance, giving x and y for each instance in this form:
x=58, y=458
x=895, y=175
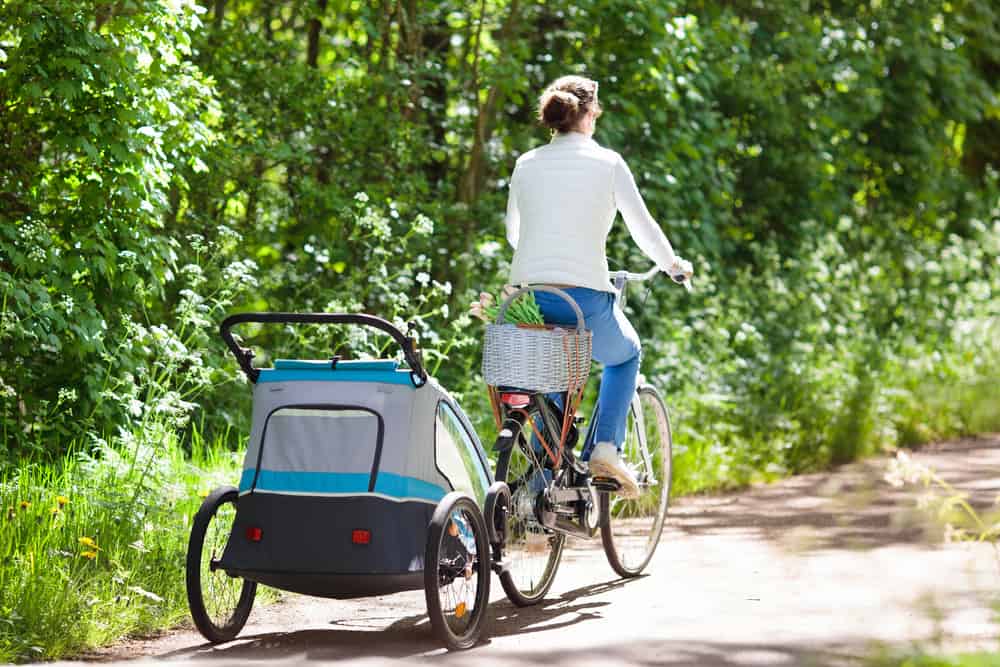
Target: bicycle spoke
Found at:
x=222, y=591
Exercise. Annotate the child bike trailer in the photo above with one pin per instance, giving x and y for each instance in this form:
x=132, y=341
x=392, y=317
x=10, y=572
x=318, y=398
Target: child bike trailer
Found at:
x=361, y=478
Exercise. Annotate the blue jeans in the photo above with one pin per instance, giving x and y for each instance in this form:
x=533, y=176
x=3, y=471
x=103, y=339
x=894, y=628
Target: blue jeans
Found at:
x=615, y=345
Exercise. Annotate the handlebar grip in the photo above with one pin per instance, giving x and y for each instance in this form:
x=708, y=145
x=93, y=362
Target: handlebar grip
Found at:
x=682, y=279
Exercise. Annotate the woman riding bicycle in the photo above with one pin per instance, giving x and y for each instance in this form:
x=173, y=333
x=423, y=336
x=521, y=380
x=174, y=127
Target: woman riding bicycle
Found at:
x=562, y=202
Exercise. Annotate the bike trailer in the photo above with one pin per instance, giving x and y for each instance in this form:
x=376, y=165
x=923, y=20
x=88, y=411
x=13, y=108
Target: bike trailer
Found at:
x=345, y=465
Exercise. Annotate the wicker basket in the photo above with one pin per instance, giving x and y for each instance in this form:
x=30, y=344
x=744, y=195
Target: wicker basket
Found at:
x=534, y=357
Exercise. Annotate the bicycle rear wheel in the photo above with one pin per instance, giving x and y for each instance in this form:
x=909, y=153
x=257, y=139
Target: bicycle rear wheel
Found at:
x=631, y=527
x=531, y=552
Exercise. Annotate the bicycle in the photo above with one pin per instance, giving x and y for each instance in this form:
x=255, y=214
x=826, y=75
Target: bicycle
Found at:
x=552, y=496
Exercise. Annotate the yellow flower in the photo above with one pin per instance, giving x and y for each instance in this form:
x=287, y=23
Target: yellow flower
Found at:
x=25, y=504
x=203, y=493
x=54, y=511
x=88, y=542
x=62, y=500
x=89, y=555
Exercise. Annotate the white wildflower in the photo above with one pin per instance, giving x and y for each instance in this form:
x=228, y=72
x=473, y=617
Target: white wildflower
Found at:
x=489, y=249
x=423, y=225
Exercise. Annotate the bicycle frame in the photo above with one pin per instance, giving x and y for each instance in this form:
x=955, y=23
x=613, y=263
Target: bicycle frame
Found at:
x=549, y=427
x=570, y=501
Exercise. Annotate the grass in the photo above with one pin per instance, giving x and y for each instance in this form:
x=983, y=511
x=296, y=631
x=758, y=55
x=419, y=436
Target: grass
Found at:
x=981, y=659
x=901, y=408
x=92, y=547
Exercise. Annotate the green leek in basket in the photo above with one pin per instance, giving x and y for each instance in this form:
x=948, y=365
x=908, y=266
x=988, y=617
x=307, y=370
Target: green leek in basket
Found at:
x=523, y=311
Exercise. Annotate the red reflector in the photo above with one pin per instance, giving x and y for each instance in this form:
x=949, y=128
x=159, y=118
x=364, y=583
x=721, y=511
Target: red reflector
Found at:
x=515, y=400
x=361, y=536
x=254, y=534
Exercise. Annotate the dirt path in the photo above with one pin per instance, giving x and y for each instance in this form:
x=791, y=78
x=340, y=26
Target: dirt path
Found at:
x=814, y=570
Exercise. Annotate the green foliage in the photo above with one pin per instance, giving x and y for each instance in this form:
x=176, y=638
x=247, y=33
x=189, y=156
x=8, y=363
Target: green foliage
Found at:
x=982, y=659
x=92, y=547
x=814, y=159
x=161, y=161
x=100, y=130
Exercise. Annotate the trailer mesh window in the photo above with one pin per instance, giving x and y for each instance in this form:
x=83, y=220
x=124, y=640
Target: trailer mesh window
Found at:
x=319, y=450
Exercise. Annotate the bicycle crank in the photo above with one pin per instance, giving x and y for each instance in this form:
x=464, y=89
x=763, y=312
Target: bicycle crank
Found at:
x=573, y=511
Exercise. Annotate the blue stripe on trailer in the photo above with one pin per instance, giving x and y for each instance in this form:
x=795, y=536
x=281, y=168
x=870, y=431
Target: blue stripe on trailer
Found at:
x=398, y=486
x=296, y=481
x=325, y=364
x=387, y=484
x=338, y=375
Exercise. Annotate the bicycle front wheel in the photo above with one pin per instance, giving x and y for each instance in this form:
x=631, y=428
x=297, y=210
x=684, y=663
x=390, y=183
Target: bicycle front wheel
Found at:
x=531, y=552
x=631, y=527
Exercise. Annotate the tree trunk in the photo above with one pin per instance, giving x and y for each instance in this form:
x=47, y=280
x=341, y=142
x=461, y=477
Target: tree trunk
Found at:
x=315, y=25
x=266, y=13
x=253, y=196
x=218, y=13
x=409, y=29
x=471, y=182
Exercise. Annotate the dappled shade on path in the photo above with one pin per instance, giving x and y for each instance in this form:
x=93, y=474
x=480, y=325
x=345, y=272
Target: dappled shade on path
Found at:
x=852, y=509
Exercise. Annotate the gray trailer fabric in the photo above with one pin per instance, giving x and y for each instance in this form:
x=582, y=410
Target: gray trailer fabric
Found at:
x=305, y=543
x=331, y=462
x=351, y=450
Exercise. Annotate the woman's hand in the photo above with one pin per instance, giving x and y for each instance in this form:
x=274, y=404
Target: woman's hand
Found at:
x=680, y=270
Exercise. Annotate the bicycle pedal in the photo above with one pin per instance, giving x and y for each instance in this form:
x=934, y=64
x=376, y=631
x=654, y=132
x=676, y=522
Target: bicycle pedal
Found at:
x=607, y=484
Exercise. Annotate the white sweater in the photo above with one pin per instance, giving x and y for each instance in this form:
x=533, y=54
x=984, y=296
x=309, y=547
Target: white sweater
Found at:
x=562, y=202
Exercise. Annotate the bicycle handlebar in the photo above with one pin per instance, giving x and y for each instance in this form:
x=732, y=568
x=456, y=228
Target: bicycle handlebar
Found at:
x=620, y=278
x=628, y=276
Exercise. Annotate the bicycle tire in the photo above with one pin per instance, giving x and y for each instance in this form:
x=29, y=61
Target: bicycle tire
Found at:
x=526, y=582
x=449, y=569
x=217, y=619
x=631, y=528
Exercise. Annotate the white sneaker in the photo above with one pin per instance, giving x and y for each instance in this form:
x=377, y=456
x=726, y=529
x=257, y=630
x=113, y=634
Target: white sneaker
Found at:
x=605, y=462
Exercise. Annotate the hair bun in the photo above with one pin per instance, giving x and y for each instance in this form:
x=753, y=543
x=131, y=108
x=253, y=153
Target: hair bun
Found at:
x=566, y=101
x=560, y=110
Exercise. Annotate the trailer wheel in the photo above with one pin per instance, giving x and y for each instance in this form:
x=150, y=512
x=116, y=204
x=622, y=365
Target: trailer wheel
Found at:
x=457, y=571
x=220, y=604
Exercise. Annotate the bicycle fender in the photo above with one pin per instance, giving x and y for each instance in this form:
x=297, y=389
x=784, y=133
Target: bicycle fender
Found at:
x=507, y=436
